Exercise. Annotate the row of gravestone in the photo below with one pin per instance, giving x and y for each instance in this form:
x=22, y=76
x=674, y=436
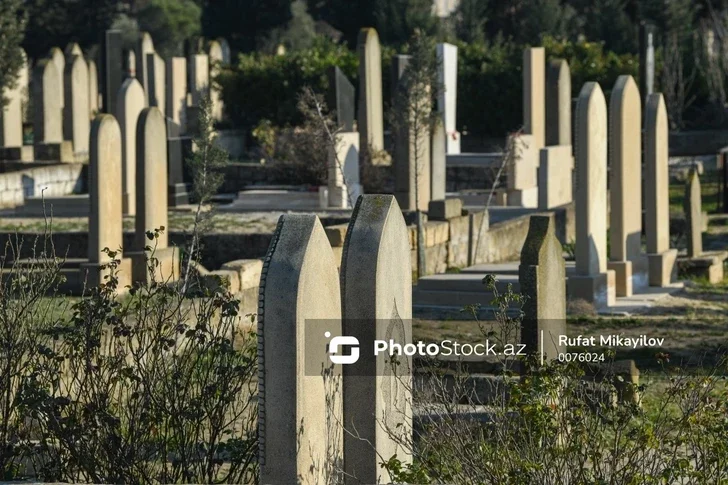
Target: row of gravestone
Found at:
x=105, y=194
x=322, y=418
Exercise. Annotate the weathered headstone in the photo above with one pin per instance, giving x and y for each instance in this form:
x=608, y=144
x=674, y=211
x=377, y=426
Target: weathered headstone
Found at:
x=11, y=120
x=692, y=203
x=625, y=161
x=300, y=413
x=130, y=105
x=156, y=71
x=343, y=171
x=661, y=259
x=24, y=87
x=542, y=276
x=47, y=119
x=151, y=200
x=555, y=176
x=534, y=100
x=93, y=89
x=199, y=77
x=412, y=141
x=376, y=298
x=558, y=103
x=522, y=170
x=111, y=69
x=145, y=45
x=647, y=58
x=592, y=281
x=105, y=219
x=56, y=55
x=447, y=96
x=76, y=122
x=215, y=55
x=341, y=98
x=177, y=191
x=225, y=46
x=72, y=49
x=130, y=63
x=176, y=74
x=370, y=110
x=438, y=165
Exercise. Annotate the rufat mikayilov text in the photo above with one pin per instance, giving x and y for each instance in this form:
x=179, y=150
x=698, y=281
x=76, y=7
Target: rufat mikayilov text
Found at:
x=611, y=341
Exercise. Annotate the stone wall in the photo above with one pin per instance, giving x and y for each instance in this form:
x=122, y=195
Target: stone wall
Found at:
x=49, y=180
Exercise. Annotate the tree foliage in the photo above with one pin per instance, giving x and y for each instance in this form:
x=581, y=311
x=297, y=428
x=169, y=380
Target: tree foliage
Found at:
x=12, y=23
x=170, y=22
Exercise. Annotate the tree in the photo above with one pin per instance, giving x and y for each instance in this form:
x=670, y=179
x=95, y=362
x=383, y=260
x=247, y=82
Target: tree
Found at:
x=55, y=23
x=607, y=21
x=245, y=24
x=298, y=34
x=347, y=16
x=397, y=20
x=12, y=24
x=544, y=17
x=471, y=17
x=170, y=22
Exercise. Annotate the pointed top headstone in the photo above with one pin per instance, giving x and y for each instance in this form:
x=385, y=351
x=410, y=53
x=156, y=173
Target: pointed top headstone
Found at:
x=692, y=204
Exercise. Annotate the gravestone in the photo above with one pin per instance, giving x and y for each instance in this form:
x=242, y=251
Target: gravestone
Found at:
x=111, y=69
x=661, y=259
x=340, y=99
x=522, y=171
x=411, y=150
x=177, y=190
x=555, y=176
x=24, y=87
x=370, y=110
x=156, y=78
x=299, y=389
x=542, y=276
x=447, y=96
x=592, y=281
x=344, y=184
x=225, y=46
x=130, y=63
x=11, y=121
x=145, y=45
x=534, y=100
x=93, y=89
x=56, y=55
x=647, y=58
x=72, y=49
x=558, y=103
x=176, y=74
x=625, y=187
x=47, y=118
x=151, y=200
x=215, y=55
x=76, y=122
x=438, y=165
x=199, y=78
x=692, y=204
x=105, y=219
x=376, y=299
x=130, y=105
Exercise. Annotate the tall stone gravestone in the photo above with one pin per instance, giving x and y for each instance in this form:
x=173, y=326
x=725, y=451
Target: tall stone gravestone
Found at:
x=692, y=204
x=47, y=115
x=370, y=110
x=105, y=219
x=534, y=99
x=226, y=54
x=215, y=55
x=156, y=71
x=556, y=160
x=341, y=98
x=647, y=58
x=411, y=140
x=376, y=298
x=145, y=46
x=76, y=122
x=130, y=63
x=343, y=171
x=56, y=55
x=542, y=276
x=592, y=281
x=177, y=190
x=438, y=164
x=111, y=69
x=625, y=161
x=130, y=105
x=72, y=49
x=447, y=96
x=11, y=123
x=299, y=389
x=151, y=201
x=93, y=89
x=176, y=75
x=199, y=77
x=661, y=259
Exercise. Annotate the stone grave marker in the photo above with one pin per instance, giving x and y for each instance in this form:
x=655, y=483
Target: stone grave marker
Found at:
x=370, y=110
x=47, y=115
x=56, y=55
x=111, y=69
x=376, y=298
x=661, y=259
x=692, y=203
x=534, y=99
x=199, y=78
x=647, y=58
x=447, y=96
x=300, y=412
x=93, y=89
x=592, y=281
x=72, y=49
x=344, y=185
x=438, y=166
x=177, y=190
x=76, y=122
x=145, y=45
x=177, y=91
x=130, y=105
x=130, y=63
x=542, y=276
x=558, y=103
x=341, y=98
x=105, y=219
x=156, y=78
x=11, y=123
x=225, y=46
x=625, y=161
